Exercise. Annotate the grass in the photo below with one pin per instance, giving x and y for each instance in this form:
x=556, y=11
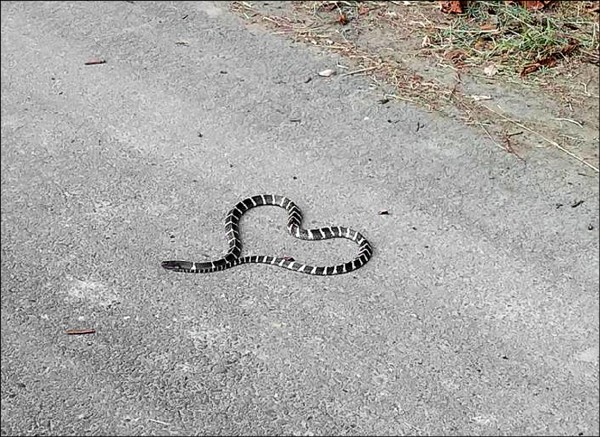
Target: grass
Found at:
x=513, y=37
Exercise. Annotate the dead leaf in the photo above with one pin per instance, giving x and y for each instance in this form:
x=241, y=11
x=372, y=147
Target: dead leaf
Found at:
x=453, y=7
x=327, y=73
x=570, y=48
x=490, y=70
x=455, y=55
x=535, y=4
x=548, y=62
x=530, y=68
x=552, y=59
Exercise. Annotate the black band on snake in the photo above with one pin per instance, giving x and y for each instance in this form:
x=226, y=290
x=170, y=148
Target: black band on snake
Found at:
x=294, y=226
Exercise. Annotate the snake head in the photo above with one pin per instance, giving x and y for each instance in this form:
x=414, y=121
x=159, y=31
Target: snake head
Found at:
x=176, y=266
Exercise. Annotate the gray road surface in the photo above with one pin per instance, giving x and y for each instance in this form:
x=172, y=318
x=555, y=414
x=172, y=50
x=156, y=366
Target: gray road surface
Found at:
x=478, y=313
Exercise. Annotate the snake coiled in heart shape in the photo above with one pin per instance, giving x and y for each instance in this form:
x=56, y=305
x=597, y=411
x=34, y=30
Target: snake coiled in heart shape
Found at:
x=294, y=226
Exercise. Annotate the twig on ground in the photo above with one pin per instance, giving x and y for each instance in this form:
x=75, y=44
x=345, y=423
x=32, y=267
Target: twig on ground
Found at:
x=570, y=121
x=80, y=331
x=361, y=70
x=158, y=421
x=548, y=140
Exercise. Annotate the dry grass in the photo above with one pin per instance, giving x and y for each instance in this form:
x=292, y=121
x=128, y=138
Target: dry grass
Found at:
x=514, y=37
x=317, y=23
x=509, y=38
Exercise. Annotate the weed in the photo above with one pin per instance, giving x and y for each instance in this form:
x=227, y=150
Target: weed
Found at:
x=514, y=37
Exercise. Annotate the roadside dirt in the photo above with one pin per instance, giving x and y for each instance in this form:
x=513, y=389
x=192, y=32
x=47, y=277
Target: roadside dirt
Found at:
x=414, y=52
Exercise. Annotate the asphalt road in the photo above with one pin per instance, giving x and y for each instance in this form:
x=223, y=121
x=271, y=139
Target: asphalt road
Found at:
x=478, y=313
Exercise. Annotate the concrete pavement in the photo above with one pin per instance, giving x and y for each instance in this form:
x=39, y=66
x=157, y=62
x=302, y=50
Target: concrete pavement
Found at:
x=478, y=313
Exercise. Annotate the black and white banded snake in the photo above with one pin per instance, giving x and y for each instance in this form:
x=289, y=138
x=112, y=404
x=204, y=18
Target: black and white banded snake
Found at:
x=294, y=226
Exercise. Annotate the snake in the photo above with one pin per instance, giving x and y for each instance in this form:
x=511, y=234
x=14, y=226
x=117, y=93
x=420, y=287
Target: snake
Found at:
x=294, y=227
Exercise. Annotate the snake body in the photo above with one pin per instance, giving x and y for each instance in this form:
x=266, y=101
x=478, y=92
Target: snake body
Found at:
x=294, y=226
